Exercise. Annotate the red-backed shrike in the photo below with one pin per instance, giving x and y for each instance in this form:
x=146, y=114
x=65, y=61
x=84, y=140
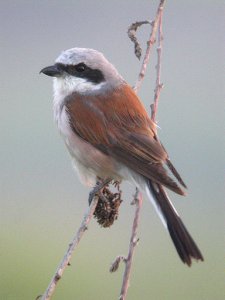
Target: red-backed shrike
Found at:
x=110, y=135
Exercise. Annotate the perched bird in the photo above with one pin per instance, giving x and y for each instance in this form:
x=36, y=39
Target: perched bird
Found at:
x=110, y=135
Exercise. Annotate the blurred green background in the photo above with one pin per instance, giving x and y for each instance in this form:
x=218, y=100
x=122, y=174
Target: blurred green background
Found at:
x=42, y=201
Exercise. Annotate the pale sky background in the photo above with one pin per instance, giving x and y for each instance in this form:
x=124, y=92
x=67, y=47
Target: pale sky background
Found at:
x=42, y=201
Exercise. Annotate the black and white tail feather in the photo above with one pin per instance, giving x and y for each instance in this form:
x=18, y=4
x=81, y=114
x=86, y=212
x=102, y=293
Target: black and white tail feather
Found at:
x=183, y=242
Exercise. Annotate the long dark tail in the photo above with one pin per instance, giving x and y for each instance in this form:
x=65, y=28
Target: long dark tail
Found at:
x=185, y=245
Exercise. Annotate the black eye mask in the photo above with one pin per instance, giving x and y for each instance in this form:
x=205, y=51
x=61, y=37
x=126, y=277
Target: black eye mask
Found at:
x=82, y=71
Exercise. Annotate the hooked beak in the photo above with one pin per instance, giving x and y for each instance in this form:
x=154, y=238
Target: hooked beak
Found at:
x=52, y=71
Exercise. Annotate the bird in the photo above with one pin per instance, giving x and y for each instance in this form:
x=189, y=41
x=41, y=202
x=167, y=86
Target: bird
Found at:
x=109, y=135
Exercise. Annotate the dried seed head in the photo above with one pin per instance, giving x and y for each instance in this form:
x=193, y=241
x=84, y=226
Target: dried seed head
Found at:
x=107, y=209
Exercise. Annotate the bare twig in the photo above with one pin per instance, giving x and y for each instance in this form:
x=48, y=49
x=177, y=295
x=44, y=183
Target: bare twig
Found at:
x=150, y=43
x=159, y=85
x=156, y=25
x=115, y=265
x=133, y=243
x=132, y=35
x=93, y=201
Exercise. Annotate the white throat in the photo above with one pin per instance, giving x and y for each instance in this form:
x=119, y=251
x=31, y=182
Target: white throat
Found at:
x=67, y=85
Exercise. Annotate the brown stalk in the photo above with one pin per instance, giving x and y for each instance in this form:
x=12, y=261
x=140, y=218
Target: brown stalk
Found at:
x=156, y=25
x=93, y=200
x=150, y=43
x=133, y=242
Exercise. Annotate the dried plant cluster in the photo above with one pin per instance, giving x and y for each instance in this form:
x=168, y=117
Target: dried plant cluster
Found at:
x=107, y=209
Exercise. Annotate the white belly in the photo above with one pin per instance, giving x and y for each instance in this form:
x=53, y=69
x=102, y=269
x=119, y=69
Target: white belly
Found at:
x=87, y=160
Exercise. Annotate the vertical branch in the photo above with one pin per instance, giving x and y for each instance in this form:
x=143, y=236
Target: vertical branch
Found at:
x=133, y=242
x=159, y=85
x=156, y=25
x=150, y=43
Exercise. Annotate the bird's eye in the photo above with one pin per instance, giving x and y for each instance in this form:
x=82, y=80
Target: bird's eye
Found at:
x=80, y=67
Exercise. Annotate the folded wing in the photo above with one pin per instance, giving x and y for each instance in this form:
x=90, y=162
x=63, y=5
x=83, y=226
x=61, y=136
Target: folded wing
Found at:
x=120, y=127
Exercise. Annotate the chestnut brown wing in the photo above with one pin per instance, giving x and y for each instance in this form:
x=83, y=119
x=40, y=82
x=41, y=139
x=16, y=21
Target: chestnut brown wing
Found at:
x=117, y=124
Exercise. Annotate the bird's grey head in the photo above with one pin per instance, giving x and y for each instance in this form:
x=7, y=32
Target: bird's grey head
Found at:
x=83, y=70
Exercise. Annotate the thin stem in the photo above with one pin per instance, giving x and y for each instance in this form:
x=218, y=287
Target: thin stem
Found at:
x=156, y=25
x=159, y=85
x=133, y=243
x=150, y=42
x=93, y=200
